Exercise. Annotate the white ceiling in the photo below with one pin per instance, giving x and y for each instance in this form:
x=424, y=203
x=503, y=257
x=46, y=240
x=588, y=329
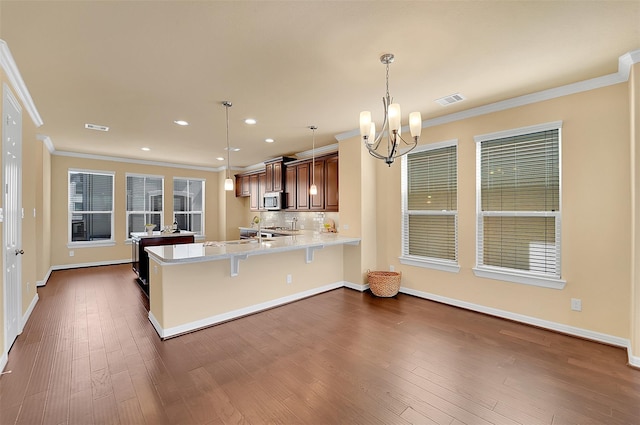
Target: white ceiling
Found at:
x=136, y=66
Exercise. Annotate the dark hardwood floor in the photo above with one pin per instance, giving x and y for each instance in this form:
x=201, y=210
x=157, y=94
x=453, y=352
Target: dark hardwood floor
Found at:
x=89, y=355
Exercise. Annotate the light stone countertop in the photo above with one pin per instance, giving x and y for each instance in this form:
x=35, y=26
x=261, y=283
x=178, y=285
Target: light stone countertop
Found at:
x=242, y=249
x=156, y=234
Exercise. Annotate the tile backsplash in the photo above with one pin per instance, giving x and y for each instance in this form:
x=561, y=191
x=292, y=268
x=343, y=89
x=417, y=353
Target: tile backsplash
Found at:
x=306, y=220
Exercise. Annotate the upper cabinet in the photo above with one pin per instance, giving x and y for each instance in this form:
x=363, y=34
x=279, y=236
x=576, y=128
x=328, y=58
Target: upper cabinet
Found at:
x=295, y=179
x=275, y=173
x=300, y=175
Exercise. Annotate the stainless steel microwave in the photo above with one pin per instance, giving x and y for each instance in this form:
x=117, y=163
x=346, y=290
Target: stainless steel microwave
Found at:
x=273, y=200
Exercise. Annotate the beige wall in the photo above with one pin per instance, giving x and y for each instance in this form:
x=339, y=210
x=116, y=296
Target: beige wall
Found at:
x=596, y=207
x=60, y=166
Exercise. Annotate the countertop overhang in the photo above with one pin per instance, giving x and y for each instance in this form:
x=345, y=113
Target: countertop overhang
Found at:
x=237, y=250
x=159, y=234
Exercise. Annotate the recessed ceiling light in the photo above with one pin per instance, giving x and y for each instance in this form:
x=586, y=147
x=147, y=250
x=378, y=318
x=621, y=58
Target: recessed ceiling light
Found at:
x=269, y=140
x=232, y=149
x=96, y=127
x=250, y=121
x=146, y=149
x=181, y=122
x=220, y=158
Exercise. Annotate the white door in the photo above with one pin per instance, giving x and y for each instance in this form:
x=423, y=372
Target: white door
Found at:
x=12, y=228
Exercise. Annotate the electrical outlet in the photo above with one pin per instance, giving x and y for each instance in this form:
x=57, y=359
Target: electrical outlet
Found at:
x=392, y=268
x=576, y=304
x=289, y=279
x=71, y=253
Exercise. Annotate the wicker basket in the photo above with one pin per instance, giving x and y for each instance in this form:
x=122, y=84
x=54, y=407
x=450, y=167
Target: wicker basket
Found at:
x=384, y=284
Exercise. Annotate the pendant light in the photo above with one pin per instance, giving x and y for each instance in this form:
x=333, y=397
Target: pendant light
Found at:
x=391, y=126
x=228, y=182
x=313, y=190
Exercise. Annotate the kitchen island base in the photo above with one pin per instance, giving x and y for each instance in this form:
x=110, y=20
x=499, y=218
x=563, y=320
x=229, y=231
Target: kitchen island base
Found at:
x=187, y=296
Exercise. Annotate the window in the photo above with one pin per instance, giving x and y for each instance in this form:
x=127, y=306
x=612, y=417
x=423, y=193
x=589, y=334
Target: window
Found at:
x=518, y=205
x=144, y=202
x=430, y=204
x=188, y=204
x=90, y=207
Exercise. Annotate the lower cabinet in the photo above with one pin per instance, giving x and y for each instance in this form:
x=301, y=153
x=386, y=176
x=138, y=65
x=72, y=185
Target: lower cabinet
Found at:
x=140, y=258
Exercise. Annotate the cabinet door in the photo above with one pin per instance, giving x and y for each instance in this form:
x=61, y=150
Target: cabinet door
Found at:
x=317, y=201
x=262, y=186
x=254, y=192
x=278, y=178
x=290, y=188
x=331, y=184
x=268, y=169
x=302, y=186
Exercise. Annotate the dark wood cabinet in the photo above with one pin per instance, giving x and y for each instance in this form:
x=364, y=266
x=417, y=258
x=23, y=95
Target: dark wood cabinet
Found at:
x=331, y=198
x=302, y=185
x=253, y=189
x=290, y=184
x=316, y=202
x=275, y=173
x=140, y=258
x=294, y=178
x=262, y=185
x=242, y=185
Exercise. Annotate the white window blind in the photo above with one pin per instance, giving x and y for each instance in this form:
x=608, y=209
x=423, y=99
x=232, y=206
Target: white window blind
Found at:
x=188, y=204
x=144, y=202
x=90, y=206
x=430, y=206
x=519, y=204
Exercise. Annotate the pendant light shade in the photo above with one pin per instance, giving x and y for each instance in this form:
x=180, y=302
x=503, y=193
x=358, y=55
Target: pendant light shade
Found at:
x=313, y=190
x=228, y=182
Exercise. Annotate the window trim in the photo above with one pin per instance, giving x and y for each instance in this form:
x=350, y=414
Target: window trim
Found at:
x=512, y=275
x=98, y=243
x=204, y=190
x=127, y=212
x=419, y=261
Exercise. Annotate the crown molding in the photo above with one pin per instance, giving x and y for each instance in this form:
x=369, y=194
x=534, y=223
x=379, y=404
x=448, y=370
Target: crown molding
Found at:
x=17, y=83
x=625, y=62
x=134, y=161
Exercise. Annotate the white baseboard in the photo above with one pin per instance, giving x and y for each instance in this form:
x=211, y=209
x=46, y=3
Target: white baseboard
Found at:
x=27, y=313
x=357, y=286
x=224, y=317
x=92, y=264
x=558, y=327
x=44, y=281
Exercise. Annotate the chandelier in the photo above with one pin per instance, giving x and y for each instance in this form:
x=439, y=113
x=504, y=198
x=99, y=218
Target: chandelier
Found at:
x=391, y=126
x=228, y=183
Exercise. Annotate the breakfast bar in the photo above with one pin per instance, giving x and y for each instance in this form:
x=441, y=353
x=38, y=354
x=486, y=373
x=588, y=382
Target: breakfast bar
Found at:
x=201, y=284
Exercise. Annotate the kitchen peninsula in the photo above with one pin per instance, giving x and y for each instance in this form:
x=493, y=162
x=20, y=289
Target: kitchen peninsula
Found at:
x=200, y=284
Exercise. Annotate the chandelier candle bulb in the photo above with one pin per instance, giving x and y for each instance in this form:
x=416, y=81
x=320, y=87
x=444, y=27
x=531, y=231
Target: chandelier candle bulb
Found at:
x=394, y=117
x=365, y=123
x=415, y=124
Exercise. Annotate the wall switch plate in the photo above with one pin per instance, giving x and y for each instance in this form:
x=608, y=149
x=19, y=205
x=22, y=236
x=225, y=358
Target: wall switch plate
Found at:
x=392, y=268
x=71, y=253
x=576, y=304
x=289, y=279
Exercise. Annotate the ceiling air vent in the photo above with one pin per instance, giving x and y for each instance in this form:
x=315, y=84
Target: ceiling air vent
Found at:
x=96, y=127
x=451, y=99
